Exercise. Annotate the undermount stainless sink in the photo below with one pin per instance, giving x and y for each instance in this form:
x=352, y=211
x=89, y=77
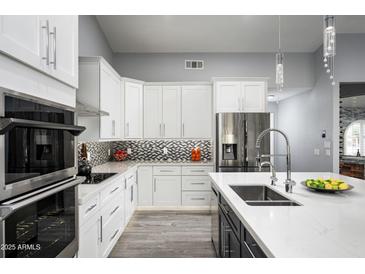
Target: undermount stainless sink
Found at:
x=262, y=195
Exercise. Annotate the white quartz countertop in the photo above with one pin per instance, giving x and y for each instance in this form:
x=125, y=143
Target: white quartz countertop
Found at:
x=88, y=191
x=326, y=225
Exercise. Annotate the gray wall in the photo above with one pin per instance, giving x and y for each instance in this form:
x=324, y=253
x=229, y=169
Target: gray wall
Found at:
x=92, y=41
x=303, y=117
x=152, y=67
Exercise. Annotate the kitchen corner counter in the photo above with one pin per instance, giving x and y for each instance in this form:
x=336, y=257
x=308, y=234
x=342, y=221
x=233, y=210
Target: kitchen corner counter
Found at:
x=88, y=191
x=326, y=225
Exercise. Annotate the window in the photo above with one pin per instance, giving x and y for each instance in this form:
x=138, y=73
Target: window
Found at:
x=355, y=138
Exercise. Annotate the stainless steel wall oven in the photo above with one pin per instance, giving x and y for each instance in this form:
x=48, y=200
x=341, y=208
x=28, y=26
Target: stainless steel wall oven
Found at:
x=38, y=183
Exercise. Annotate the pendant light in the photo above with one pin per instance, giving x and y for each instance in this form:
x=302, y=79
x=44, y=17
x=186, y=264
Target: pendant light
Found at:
x=279, y=63
x=329, y=46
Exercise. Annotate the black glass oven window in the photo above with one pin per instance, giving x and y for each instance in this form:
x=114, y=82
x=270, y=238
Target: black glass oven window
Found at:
x=33, y=152
x=42, y=229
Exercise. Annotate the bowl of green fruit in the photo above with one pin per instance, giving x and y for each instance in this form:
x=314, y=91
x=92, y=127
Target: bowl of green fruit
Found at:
x=327, y=185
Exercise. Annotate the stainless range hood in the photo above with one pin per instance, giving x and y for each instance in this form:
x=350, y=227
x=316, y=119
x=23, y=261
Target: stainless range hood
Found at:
x=89, y=111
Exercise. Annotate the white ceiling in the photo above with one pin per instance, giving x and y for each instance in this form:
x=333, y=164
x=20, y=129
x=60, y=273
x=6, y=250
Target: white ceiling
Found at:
x=219, y=33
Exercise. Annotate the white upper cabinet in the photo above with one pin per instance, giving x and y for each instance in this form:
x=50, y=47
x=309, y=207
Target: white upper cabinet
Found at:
x=133, y=109
x=162, y=111
x=171, y=103
x=240, y=96
x=20, y=37
x=152, y=112
x=100, y=91
x=64, y=48
x=228, y=96
x=46, y=43
x=196, y=111
x=110, y=101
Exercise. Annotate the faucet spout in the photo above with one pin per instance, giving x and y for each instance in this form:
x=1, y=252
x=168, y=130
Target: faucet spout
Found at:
x=289, y=183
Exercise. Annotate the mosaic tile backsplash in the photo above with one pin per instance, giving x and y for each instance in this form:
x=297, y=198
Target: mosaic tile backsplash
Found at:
x=177, y=150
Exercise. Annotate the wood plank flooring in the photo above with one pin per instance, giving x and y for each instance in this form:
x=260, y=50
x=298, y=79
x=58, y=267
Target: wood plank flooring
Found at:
x=166, y=234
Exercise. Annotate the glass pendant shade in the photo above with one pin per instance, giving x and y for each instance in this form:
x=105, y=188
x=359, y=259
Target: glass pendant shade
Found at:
x=329, y=37
x=279, y=70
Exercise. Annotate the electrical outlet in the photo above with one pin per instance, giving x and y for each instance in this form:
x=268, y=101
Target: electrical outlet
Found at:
x=129, y=150
x=328, y=152
x=327, y=144
x=165, y=150
x=109, y=152
x=88, y=156
x=316, y=151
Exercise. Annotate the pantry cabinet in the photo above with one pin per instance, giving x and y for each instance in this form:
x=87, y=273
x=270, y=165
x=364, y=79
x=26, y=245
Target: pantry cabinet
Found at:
x=196, y=112
x=133, y=109
x=99, y=91
x=162, y=111
x=46, y=43
x=240, y=96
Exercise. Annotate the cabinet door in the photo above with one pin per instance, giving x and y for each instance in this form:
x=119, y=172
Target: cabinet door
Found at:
x=133, y=110
x=228, y=96
x=171, y=112
x=64, y=48
x=128, y=203
x=20, y=37
x=253, y=96
x=110, y=98
x=89, y=239
x=196, y=106
x=152, y=111
x=145, y=186
x=167, y=191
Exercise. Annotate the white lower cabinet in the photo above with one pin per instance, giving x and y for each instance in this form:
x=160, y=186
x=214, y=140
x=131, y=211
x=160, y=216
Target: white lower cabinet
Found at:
x=130, y=195
x=89, y=238
x=167, y=190
x=196, y=198
x=145, y=190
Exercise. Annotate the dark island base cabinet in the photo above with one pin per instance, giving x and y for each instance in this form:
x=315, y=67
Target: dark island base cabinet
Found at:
x=234, y=240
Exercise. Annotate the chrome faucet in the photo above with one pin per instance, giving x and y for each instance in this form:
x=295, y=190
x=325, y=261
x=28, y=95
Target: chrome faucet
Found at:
x=289, y=183
x=273, y=177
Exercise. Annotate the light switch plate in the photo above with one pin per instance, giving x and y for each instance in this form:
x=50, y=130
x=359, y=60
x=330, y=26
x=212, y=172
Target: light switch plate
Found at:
x=327, y=144
x=316, y=151
x=165, y=150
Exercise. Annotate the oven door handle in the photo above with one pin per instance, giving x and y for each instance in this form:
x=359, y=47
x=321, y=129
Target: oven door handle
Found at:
x=7, y=209
x=7, y=124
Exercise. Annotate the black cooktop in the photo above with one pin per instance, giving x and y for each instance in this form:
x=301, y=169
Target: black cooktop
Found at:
x=96, y=178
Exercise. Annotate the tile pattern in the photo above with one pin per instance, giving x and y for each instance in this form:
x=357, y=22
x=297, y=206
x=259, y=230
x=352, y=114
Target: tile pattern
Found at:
x=347, y=116
x=98, y=152
x=166, y=234
x=178, y=150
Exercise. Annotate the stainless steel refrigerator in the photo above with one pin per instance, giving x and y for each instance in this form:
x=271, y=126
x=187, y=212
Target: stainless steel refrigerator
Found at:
x=236, y=135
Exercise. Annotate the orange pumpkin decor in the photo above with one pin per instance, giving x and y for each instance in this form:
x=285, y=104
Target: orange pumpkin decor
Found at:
x=196, y=154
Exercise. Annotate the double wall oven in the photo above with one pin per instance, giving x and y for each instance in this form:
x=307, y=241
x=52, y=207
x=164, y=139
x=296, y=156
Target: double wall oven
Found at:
x=38, y=182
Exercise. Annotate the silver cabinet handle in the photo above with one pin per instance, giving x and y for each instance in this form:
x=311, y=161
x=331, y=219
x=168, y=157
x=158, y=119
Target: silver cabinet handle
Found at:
x=113, y=127
x=154, y=185
x=114, y=210
x=115, y=189
x=115, y=234
x=160, y=130
x=197, y=170
x=127, y=129
x=101, y=229
x=198, y=183
x=46, y=28
x=197, y=199
x=183, y=129
x=125, y=184
x=164, y=130
x=166, y=170
x=131, y=193
x=54, y=61
x=90, y=208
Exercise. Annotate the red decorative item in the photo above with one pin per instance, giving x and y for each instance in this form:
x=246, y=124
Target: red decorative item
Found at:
x=196, y=154
x=120, y=155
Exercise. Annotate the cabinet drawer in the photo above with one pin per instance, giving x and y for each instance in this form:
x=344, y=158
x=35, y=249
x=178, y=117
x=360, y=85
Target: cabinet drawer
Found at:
x=195, y=198
x=196, y=183
x=112, y=208
x=87, y=210
x=111, y=191
x=110, y=234
x=196, y=170
x=231, y=216
x=252, y=245
x=166, y=170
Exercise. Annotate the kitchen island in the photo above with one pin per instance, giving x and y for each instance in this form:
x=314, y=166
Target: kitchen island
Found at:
x=325, y=225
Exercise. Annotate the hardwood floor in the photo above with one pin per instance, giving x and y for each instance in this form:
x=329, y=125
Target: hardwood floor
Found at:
x=166, y=234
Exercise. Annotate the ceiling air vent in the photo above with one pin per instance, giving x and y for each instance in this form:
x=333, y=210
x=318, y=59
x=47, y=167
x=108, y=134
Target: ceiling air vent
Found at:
x=194, y=64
